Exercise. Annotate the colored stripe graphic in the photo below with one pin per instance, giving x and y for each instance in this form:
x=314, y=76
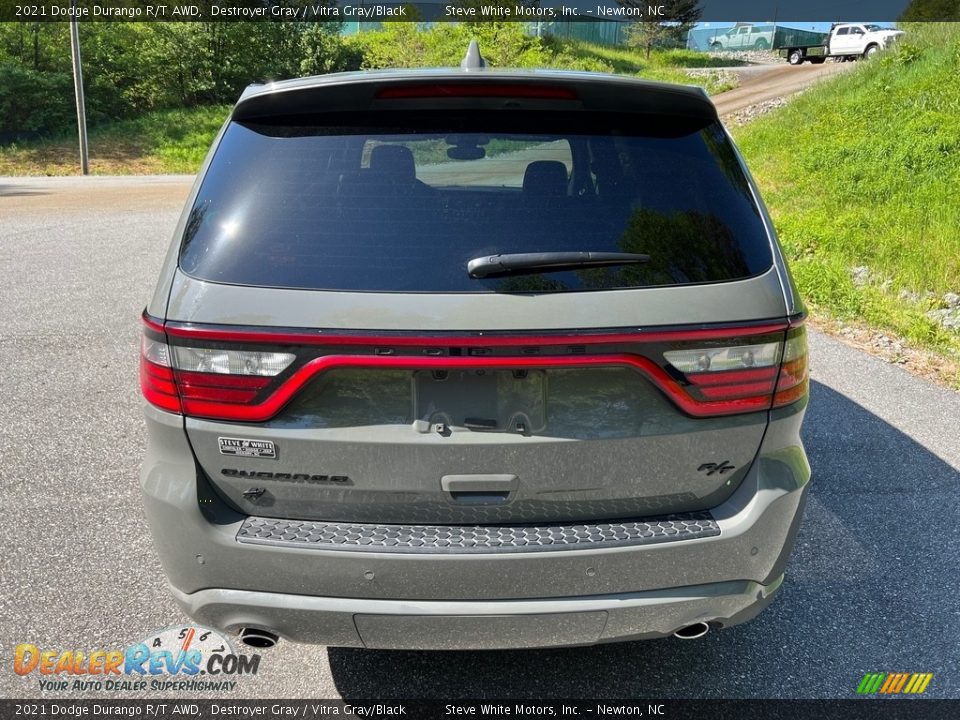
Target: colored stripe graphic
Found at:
x=870, y=683
x=894, y=683
x=901, y=682
x=887, y=683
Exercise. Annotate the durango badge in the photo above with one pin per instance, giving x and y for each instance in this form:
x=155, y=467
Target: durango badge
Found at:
x=263, y=449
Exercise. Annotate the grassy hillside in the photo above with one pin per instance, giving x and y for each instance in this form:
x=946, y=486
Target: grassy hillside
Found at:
x=675, y=66
x=861, y=175
x=166, y=141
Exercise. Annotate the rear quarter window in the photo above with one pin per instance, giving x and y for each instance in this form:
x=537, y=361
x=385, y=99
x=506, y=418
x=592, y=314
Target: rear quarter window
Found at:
x=362, y=207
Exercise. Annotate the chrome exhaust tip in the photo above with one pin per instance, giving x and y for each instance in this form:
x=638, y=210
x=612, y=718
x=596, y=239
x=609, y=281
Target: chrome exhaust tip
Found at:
x=692, y=632
x=255, y=638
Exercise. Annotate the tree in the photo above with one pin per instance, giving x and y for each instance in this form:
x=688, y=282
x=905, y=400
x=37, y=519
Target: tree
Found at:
x=679, y=17
x=930, y=10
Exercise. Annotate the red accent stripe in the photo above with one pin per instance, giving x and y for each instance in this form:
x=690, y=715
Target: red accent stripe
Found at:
x=156, y=383
x=723, y=392
x=156, y=370
x=730, y=377
x=281, y=396
x=307, y=337
x=217, y=395
x=152, y=324
x=221, y=380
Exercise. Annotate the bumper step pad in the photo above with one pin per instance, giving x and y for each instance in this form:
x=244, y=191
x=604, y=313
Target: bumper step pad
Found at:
x=474, y=538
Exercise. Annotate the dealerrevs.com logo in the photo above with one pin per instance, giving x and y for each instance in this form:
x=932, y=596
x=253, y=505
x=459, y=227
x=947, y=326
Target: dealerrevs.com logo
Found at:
x=173, y=659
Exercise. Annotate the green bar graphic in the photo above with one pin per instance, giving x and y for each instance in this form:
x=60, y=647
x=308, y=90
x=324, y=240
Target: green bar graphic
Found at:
x=877, y=682
x=862, y=688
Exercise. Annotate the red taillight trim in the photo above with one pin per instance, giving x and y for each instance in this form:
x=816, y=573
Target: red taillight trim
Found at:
x=221, y=333
x=731, y=377
x=228, y=398
x=794, y=382
x=269, y=407
x=733, y=384
x=218, y=387
x=221, y=380
x=476, y=90
x=740, y=390
x=151, y=324
x=156, y=381
x=158, y=386
x=791, y=395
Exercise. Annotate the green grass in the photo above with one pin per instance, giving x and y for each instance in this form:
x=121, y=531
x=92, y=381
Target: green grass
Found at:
x=864, y=170
x=663, y=65
x=167, y=141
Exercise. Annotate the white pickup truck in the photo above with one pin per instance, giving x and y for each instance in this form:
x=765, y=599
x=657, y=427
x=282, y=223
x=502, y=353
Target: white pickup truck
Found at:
x=846, y=41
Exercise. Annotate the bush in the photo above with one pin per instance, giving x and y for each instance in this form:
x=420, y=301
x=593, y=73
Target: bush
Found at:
x=34, y=102
x=324, y=51
x=503, y=44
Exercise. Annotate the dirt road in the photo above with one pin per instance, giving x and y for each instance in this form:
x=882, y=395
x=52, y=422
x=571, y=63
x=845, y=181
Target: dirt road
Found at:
x=779, y=81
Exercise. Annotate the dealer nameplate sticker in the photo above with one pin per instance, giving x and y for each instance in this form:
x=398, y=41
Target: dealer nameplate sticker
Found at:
x=241, y=447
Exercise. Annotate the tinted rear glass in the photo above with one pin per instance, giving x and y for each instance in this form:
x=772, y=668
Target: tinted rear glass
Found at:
x=315, y=204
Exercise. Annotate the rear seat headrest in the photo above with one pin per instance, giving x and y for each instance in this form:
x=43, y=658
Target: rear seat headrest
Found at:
x=545, y=178
x=394, y=159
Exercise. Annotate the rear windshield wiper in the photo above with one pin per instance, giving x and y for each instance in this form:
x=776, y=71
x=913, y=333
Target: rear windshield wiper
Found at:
x=488, y=265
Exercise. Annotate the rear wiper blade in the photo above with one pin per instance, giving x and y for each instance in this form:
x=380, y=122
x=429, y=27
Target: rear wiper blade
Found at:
x=488, y=265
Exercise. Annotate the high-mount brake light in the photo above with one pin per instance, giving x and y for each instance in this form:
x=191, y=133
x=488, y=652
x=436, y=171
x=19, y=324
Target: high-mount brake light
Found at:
x=705, y=372
x=477, y=90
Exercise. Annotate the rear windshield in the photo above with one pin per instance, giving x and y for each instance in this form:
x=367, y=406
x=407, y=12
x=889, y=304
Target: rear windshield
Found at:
x=347, y=205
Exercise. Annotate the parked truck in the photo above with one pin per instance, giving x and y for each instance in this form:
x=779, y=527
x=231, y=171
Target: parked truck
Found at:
x=845, y=41
x=753, y=36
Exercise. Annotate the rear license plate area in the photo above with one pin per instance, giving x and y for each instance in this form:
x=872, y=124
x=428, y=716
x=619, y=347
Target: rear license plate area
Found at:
x=512, y=401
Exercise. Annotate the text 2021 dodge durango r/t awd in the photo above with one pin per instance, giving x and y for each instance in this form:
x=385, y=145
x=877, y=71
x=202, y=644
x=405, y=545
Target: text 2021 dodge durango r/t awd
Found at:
x=473, y=359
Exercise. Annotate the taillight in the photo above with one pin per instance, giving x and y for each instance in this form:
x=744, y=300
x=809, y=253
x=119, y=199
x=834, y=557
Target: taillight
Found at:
x=156, y=374
x=727, y=380
x=215, y=361
x=739, y=378
x=250, y=374
x=794, y=381
x=204, y=381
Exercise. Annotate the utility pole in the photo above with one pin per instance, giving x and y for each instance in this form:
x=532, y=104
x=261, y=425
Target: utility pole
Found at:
x=78, y=90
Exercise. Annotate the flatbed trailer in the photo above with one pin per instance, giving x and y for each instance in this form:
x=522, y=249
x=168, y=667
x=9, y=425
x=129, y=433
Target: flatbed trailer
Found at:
x=845, y=41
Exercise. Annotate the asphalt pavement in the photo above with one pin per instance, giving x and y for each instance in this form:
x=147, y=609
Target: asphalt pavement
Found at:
x=873, y=585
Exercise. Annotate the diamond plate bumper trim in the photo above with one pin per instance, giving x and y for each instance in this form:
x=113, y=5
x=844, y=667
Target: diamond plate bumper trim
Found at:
x=475, y=538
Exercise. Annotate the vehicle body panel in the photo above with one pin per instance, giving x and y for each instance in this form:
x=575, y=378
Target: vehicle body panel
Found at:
x=436, y=448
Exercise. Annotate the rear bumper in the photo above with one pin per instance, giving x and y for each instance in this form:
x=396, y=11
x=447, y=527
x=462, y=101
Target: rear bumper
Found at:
x=478, y=599
x=475, y=625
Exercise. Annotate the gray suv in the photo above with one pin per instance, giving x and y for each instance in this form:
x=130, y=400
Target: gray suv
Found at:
x=449, y=359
